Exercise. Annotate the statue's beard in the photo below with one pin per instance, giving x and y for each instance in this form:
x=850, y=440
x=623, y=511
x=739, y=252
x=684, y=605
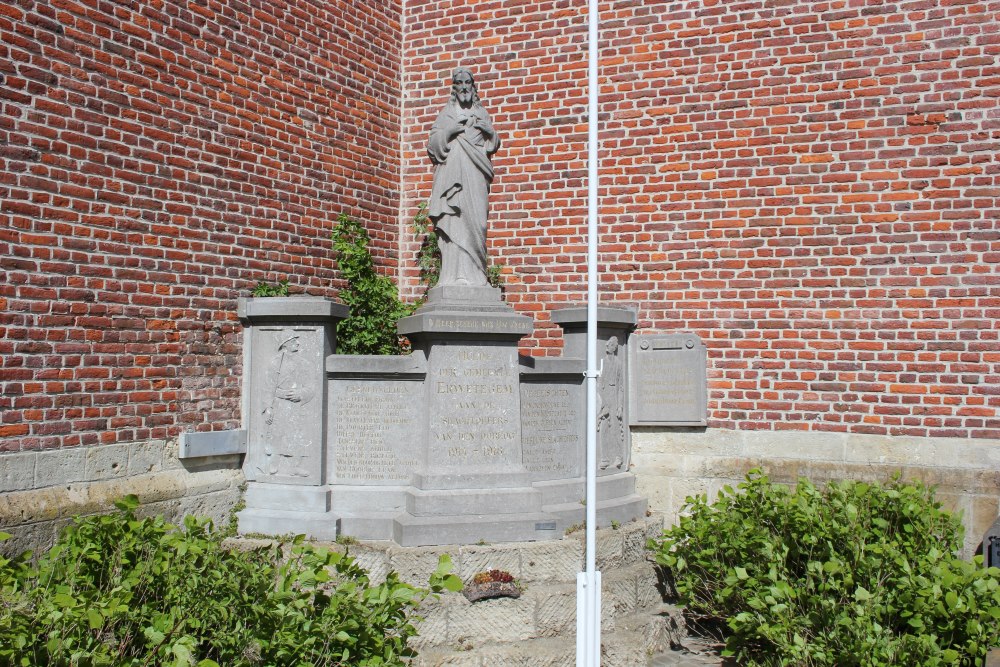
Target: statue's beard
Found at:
x=465, y=99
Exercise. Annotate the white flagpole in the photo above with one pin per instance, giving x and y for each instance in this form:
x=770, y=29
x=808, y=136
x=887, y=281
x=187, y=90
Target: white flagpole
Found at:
x=588, y=583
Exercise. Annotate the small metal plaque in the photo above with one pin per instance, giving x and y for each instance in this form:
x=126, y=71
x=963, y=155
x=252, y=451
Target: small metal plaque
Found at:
x=668, y=383
x=547, y=525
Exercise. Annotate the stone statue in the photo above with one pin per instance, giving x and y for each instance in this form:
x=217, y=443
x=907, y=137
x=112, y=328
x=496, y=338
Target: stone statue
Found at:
x=460, y=146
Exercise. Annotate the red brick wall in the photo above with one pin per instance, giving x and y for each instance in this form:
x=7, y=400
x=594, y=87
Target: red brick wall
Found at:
x=157, y=158
x=812, y=187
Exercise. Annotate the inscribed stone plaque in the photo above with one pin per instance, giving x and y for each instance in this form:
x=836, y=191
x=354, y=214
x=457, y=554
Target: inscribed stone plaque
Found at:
x=667, y=381
x=552, y=425
x=286, y=405
x=376, y=430
x=474, y=408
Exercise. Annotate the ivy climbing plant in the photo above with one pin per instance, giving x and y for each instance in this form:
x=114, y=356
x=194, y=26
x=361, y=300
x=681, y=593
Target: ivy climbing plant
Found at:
x=373, y=298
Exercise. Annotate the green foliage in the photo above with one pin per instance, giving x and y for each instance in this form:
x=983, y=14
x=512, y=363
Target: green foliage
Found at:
x=429, y=255
x=263, y=289
x=373, y=298
x=122, y=591
x=854, y=574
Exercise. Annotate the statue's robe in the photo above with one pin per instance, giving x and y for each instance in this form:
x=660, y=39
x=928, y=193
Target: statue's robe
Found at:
x=459, y=203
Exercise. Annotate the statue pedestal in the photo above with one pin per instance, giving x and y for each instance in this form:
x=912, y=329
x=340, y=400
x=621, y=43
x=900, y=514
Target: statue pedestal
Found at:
x=472, y=484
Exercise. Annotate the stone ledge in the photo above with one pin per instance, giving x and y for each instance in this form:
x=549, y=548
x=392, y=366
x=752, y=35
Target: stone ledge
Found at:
x=289, y=309
x=24, y=471
x=63, y=502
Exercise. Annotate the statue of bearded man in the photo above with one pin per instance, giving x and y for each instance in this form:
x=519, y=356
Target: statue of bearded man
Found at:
x=460, y=146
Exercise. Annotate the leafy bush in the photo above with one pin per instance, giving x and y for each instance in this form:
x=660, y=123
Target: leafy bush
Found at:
x=373, y=298
x=265, y=289
x=119, y=590
x=853, y=574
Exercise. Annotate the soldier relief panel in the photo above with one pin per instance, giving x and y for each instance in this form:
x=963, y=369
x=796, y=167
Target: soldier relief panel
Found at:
x=284, y=405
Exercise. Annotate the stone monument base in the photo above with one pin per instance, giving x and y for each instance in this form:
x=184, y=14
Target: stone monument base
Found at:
x=460, y=442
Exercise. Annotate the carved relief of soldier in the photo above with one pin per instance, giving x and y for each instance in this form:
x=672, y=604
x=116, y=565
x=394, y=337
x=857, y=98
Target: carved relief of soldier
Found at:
x=287, y=387
x=612, y=431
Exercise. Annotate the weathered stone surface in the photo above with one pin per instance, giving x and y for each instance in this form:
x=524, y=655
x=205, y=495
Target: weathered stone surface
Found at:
x=107, y=462
x=60, y=466
x=145, y=457
x=555, y=615
x=673, y=465
x=474, y=559
x=85, y=481
x=17, y=471
x=609, y=550
x=558, y=560
x=497, y=620
x=416, y=564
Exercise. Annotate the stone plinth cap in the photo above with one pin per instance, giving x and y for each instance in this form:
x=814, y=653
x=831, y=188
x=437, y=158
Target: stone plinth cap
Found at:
x=467, y=322
x=368, y=365
x=606, y=316
x=289, y=309
x=544, y=366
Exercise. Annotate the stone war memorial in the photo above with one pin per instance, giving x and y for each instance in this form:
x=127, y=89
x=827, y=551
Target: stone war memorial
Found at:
x=461, y=441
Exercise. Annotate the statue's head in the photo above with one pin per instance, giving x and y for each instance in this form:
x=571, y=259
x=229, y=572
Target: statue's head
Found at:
x=463, y=88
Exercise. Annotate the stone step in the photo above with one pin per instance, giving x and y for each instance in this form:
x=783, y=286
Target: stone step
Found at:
x=409, y=530
x=550, y=561
x=542, y=611
x=631, y=642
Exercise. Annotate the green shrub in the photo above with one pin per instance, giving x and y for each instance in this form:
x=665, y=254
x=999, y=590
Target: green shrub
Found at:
x=265, y=289
x=851, y=574
x=373, y=299
x=118, y=590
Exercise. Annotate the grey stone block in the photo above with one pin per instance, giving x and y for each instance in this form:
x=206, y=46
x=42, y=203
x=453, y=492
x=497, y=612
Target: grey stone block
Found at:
x=275, y=522
x=17, y=471
x=498, y=620
x=287, y=497
x=374, y=560
x=555, y=615
x=411, y=530
x=289, y=309
x=217, y=506
x=415, y=565
x=377, y=365
x=60, y=466
x=475, y=559
x=35, y=537
x=212, y=443
x=609, y=550
x=557, y=560
x=107, y=462
x=472, y=501
x=145, y=457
